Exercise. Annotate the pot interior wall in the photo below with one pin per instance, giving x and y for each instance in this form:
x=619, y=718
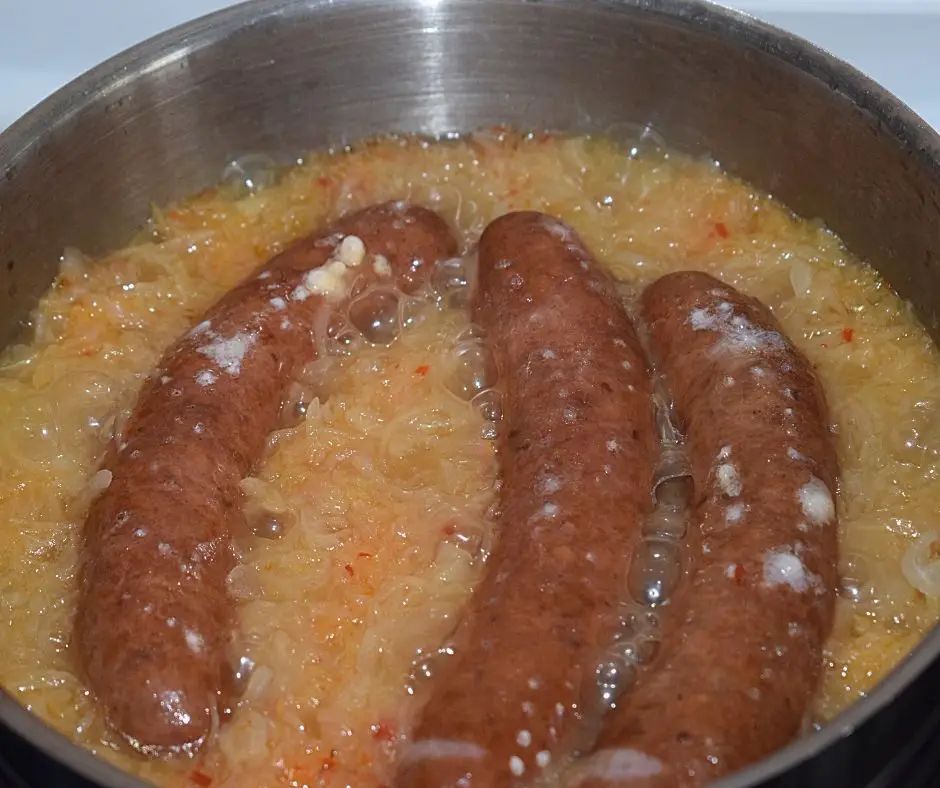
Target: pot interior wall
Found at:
x=86, y=168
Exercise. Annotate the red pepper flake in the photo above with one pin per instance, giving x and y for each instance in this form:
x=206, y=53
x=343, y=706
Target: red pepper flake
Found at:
x=364, y=555
x=848, y=334
x=200, y=779
x=329, y=762
x=422, y=370
x=349, y=570
x=722, y=229
x=739, y=574
x=325, y=182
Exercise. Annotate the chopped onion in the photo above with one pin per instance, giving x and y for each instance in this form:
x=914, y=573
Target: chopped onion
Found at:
x=921, y=564
x=801, y=277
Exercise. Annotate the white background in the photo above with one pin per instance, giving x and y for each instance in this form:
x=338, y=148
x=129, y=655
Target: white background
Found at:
x=46, y=43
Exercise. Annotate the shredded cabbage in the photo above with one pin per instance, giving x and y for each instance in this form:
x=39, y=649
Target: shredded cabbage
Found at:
x=378, y=497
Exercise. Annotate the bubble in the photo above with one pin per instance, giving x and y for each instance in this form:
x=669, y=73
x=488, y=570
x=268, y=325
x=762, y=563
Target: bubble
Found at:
x=266, y=524
x=274, y=526
x=636, y=621
x=489, y=404
x=412, y=312
x=359, y=285
x=249, y=174
x=474, y=538
x=640, y=649
x=625, y=650
x=471, y=372
x=855, y=575
x=294, y=405
x=375, y=314
x=647, y=647
x=638, y=140
x=452, y=279
x=673, y=492
x=413, y=279
x=655, y=571
x=647, y=142
x=426, y=664
x=346, y=342
x=83, y=407
x=667, y=522
x=666, y=421
x=241, y=673
x=613, y=675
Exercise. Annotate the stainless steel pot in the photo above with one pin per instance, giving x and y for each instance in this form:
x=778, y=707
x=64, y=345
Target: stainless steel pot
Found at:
x=162, y=119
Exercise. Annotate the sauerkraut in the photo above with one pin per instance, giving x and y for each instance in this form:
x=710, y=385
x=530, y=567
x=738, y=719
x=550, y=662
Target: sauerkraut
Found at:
x=368, y=514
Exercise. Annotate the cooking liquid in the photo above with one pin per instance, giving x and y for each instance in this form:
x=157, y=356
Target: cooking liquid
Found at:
x=370, y=515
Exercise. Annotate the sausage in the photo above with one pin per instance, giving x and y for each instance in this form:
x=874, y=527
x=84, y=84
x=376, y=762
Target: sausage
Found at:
x=576, y=457
x=743, y=637
x=154, y=620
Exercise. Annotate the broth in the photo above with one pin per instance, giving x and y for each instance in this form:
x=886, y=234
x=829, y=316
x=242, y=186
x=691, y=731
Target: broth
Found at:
x=380, y=495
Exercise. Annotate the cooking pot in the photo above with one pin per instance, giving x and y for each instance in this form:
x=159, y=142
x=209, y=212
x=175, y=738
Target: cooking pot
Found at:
x=161, y=120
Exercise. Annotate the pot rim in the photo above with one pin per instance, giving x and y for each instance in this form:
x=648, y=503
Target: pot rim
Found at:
x=701, y=16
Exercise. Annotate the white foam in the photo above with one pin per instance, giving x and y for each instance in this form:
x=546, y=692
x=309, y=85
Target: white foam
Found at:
x=229, y=353
x=548, y=485
x=816, y=502
x=548, y=511
x=728, y=480
x=206, y=377
x=783, y=567
x=381, y=266
x=737, y=332
x=735, y=512
x=194, y=640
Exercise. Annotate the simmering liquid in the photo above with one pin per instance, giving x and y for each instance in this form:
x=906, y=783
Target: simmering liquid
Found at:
x=368, y=526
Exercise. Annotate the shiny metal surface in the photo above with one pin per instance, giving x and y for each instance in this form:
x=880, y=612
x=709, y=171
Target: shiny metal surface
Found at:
x=162, y=120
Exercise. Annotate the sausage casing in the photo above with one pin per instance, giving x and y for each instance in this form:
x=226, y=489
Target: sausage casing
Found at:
x=154, y=620
x=576, y=456
x=743, y=638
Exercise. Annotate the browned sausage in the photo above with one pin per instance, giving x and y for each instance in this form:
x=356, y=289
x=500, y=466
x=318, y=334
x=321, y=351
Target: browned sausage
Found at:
x=742, y=648
x=576, y=458
x=154, y=620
